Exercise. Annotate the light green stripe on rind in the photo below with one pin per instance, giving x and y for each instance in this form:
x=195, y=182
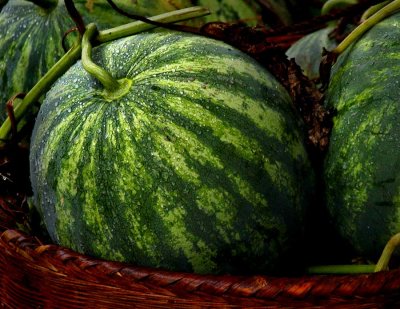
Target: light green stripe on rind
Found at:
x=361, y=169
x=183, y=178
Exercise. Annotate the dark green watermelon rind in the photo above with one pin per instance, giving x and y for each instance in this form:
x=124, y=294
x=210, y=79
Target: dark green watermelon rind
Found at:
x=362, y=168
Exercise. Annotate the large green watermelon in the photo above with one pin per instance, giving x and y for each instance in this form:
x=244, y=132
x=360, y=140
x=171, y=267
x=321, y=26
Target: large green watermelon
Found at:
x=198, y=166
x=30, y=36
x=362, y=168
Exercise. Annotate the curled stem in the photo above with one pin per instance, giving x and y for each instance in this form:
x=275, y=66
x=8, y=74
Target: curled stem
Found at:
x=373, y=9
x=98, y=72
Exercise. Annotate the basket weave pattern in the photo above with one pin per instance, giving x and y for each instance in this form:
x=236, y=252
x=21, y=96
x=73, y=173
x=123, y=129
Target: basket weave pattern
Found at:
x=36, y=275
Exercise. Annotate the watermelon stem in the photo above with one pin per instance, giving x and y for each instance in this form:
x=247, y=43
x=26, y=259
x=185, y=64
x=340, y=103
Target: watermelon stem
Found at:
x=341, y=269
x=165, y=25
x=373, y=9
x=22, y=107
x=93, y=69
x=140, y=26
x=384, y=12
x=384, y=259
x=382, y=264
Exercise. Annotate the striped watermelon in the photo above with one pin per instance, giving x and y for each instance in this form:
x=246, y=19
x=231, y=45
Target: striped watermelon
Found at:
x=199, y=165
x=362, y=168
x=30, y=36
x=30, y=43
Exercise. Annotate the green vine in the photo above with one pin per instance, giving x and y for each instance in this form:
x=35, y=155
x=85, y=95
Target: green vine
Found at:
x=381, y=265
x=381, y=14
x=43, y=85
x=341, y=269
x=373, y=9
x=383, y=262
x=140, y=26
x=98, y=72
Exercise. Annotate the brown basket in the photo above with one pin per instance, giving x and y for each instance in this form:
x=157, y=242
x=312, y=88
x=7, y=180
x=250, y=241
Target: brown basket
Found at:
x=37, y=275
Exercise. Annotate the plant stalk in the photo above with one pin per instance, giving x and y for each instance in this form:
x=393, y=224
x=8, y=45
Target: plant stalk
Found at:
x=373, y=9
x=139, y=26
x=44, y=84
x=341, y=269
x=384, y=12
x=92, y=68
x=383, y=262
x=392, y=244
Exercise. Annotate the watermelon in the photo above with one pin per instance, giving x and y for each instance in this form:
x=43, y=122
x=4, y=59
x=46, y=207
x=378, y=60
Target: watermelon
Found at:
x=198, y=164
x=24, y=48
x=362, y=167
x=25, y=52
x=307, y=51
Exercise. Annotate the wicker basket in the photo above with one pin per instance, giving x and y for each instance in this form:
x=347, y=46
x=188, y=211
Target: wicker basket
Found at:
x=38, y=275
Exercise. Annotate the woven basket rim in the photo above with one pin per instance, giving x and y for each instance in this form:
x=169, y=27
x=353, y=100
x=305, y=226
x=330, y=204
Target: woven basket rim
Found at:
x=54, y=259
x=30, y=268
